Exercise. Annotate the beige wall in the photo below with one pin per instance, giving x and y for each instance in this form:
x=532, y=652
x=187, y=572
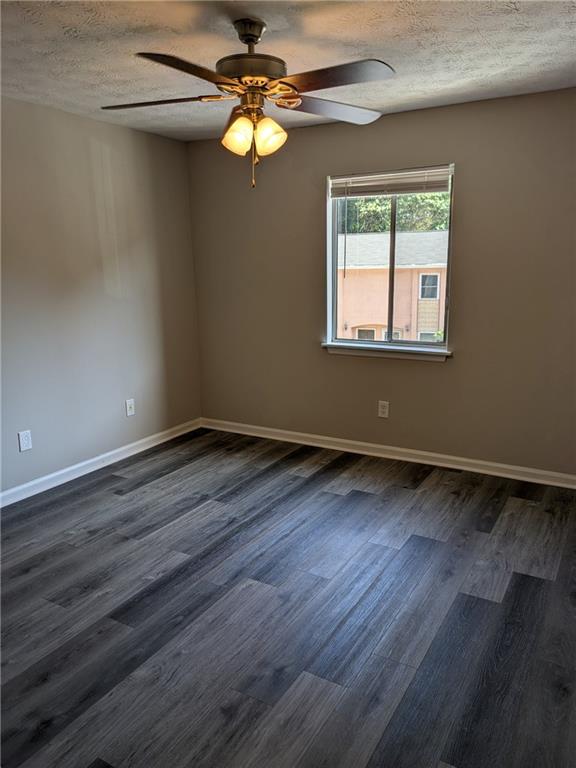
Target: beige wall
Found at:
x=98, y=288
x=508, y=395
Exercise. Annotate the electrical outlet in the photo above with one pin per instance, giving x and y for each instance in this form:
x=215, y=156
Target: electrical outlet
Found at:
x=383, y=409
x=25, y=440
x=130, y=407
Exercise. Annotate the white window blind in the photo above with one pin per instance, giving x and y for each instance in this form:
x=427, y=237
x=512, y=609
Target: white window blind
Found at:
x=435, y=179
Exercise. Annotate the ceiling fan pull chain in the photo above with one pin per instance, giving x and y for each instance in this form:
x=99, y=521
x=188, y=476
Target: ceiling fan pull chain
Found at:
x=254, y=161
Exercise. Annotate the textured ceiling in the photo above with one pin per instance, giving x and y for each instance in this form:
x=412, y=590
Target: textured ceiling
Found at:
x=78, y=56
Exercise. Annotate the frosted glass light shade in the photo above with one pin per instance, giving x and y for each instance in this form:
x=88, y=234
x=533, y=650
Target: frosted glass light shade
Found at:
x=269, y=136
x=238, y=136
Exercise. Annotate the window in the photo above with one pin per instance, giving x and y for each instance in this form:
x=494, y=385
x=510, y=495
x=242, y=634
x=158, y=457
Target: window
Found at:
x=388, y=259
x=429, y=286
x=395, y=334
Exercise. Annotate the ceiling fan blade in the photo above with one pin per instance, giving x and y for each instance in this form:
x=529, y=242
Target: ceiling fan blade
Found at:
x=335, y=110
x=214, y=97
x=190, y=69
x=364, y=71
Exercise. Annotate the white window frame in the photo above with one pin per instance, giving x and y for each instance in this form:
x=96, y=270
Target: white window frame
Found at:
x=428, y=298
x=437, y=351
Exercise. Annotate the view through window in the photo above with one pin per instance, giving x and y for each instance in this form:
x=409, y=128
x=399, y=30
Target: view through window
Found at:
x=389, y=257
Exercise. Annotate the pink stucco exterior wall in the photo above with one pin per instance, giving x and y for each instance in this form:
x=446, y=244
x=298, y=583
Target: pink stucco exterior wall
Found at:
x=363, y=302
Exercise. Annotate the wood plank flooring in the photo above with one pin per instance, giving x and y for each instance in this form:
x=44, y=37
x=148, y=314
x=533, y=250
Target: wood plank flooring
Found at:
x=230, y=602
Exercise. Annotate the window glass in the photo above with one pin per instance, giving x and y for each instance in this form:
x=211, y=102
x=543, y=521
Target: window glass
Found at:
x=363, y=263
x=421, y=245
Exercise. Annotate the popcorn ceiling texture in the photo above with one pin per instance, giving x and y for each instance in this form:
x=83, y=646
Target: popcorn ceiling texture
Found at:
x=78, y=56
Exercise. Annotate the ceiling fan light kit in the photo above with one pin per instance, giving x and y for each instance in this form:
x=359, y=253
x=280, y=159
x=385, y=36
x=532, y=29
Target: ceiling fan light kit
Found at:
x=249, y=129
x=256, y=78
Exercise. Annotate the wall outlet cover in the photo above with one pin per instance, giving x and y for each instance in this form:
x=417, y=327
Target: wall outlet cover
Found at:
x=383, y=409
x=130, y=407
x=25, y=440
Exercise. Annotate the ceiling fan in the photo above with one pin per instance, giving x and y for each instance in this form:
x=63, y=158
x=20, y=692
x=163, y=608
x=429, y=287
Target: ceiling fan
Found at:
x=255, y=78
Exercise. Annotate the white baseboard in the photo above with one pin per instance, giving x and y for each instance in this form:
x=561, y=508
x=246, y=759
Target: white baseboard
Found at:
x=511, y=471
x=19, y=492
x=46, y=482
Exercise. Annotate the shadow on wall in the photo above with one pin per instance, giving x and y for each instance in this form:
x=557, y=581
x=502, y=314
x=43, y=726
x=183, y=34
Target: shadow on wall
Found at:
x=143, y=238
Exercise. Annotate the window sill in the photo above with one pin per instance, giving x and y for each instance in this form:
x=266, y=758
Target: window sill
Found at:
x=437, y=355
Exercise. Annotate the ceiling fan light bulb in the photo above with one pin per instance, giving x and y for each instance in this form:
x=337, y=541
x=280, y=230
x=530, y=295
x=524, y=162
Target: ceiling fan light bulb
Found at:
x=238, y=136
x=269, y=136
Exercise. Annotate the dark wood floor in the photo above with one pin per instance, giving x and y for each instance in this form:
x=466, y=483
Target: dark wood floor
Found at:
x=230, y=601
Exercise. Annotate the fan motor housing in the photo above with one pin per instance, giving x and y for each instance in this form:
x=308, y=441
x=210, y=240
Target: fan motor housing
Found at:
x=252, y=65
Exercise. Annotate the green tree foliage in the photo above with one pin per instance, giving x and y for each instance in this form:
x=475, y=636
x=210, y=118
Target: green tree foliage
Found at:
x=415, y=213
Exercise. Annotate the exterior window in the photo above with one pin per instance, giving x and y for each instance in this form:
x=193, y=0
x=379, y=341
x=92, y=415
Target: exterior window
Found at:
x=429, y=286
x=388, y=258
